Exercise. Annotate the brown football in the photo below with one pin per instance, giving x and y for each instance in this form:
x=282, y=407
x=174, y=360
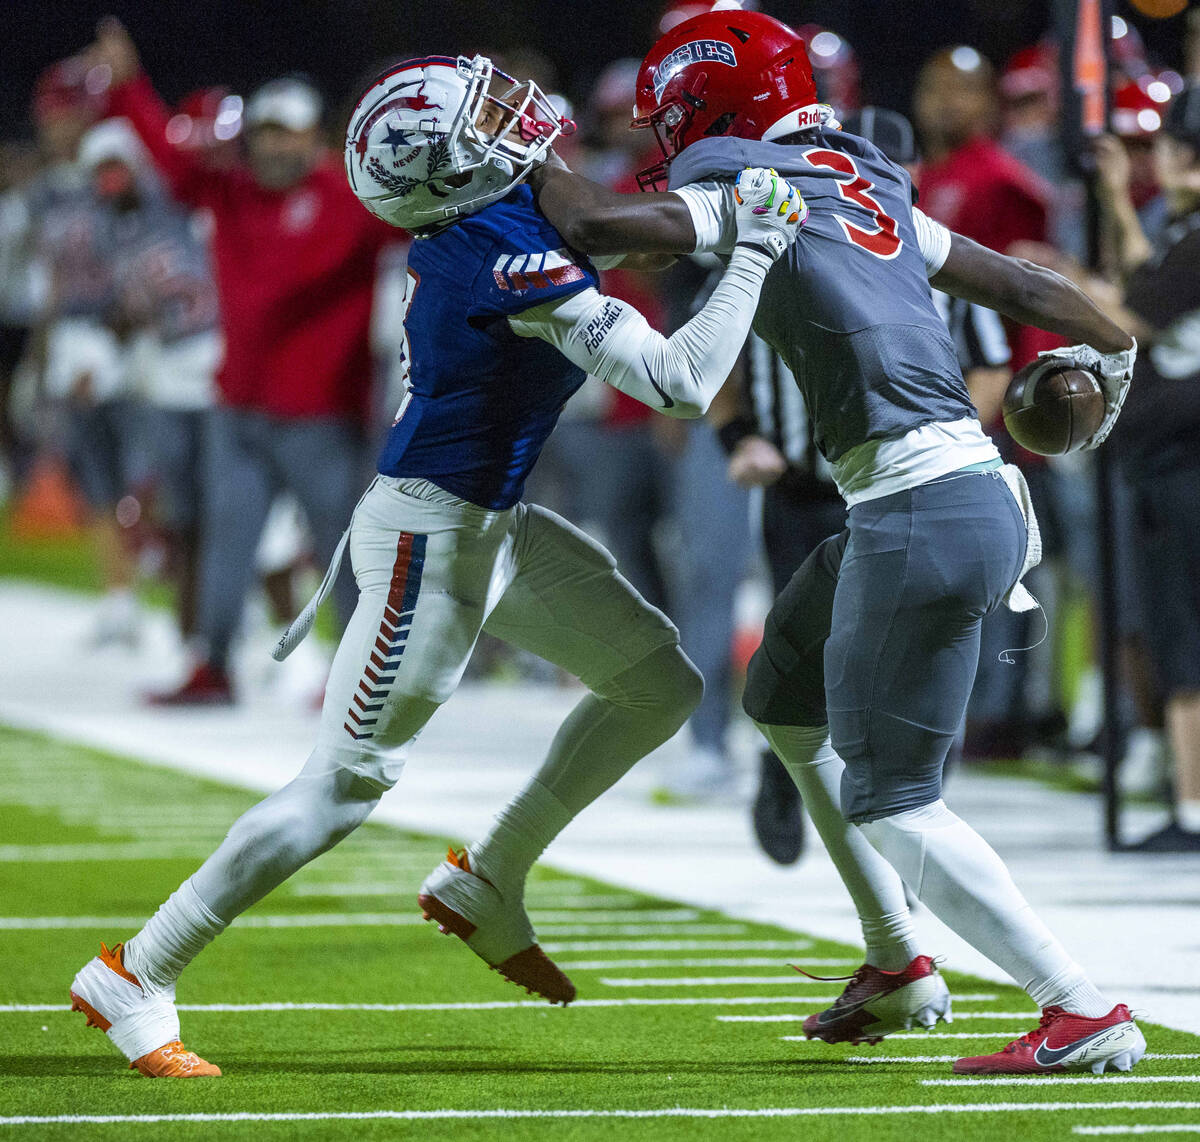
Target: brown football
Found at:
x=1056, y=412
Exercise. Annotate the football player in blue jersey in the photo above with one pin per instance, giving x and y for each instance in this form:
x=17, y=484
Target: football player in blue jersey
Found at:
x=503, y=322
x=869, y=654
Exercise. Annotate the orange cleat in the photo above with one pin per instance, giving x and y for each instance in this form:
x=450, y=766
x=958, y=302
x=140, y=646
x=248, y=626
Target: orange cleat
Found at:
x=175, y=1061
x=495, y=927
x=143, y=1025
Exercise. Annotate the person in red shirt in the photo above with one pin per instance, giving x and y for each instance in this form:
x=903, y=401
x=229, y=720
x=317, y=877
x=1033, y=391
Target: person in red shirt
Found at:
x=295, y=263
x=968, y=181
x=972, y=185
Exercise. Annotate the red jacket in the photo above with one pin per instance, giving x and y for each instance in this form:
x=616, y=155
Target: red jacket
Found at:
x=295, y=274
x=983, y=193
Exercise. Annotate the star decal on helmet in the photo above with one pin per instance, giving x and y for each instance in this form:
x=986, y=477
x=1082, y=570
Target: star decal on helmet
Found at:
x=395, y=138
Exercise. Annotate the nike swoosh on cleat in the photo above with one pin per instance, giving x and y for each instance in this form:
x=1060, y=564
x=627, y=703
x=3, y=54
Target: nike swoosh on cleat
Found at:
x=841, y=1012
x=1050, y=1056
x=667, y=401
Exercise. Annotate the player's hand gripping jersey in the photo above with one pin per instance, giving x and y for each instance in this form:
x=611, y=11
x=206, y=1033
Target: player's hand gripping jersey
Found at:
x=504, y=322
x=849, y=308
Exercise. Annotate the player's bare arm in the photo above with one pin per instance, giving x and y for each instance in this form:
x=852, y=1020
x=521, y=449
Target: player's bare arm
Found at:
x=1028, y=294
x=679, y=375
x=599, y=221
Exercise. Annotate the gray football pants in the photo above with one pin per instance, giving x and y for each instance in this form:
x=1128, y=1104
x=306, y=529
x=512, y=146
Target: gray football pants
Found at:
x=249, y=458
x=878, y=634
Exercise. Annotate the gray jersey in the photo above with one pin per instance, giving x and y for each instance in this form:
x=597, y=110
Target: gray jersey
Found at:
x=849, y=308
x=160, y=264
x=65, y=220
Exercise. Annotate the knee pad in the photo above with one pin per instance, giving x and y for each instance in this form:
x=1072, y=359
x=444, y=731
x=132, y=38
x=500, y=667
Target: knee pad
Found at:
x=785, y=682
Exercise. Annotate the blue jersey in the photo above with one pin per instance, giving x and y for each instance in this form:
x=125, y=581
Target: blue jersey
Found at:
x=481, y=401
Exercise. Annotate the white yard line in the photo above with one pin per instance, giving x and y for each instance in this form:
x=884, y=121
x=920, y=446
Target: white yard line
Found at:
x=644, y=930
x=952, y=1058
x=699, y=962
x=355, y=919
x=389, y=888
x=768, y=980
x=663, y=1112
x=281, y=920
x=604, y=919
x=923, y=1035
x=792, y=980
x=675, y=945
x=1057, y=1080
x=1141, y=1128
x=959, y=1017
x=494, y=1005
x=101, y=851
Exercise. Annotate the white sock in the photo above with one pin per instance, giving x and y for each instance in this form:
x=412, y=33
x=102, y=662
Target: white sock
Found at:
x=958, y=875
x=873, y=884
x=607, y=732
x=173, y=937
x=1188, y=815
x=518, y=836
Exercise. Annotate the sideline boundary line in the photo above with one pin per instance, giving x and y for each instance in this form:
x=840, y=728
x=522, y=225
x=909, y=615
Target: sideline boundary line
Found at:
x=664, y=1112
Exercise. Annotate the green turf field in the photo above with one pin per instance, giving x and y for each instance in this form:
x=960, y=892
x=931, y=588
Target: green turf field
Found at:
x=418, y=1029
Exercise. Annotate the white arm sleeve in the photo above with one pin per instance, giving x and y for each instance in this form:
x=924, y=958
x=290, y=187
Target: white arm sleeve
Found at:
x=677, y=375
x=934, y=240
x=712, y=208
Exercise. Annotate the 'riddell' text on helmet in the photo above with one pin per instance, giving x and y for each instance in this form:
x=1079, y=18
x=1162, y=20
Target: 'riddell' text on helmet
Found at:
x=724, y=73
x=417, y=155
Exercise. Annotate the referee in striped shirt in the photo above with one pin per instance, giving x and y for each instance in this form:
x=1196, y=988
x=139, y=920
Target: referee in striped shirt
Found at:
x=765, y=429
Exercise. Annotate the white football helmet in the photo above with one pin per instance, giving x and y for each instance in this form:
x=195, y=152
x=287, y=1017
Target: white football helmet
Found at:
x=437, y=138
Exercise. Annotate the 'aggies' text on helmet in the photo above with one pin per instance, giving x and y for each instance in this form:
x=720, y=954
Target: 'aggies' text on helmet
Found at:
x=436, y=138
x=725, y=73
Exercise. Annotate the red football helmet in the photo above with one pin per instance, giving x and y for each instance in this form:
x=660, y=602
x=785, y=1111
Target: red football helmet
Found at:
x=1032, y=71
x=1136, y=114
x=724, y=73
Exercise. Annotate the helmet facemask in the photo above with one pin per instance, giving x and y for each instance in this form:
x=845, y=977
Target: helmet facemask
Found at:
x=479, y=146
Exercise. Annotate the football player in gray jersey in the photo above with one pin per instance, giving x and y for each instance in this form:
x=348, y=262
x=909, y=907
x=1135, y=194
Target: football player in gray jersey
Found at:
x=870, y=652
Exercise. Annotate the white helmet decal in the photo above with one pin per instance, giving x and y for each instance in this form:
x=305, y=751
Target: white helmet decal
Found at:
x=416, y=155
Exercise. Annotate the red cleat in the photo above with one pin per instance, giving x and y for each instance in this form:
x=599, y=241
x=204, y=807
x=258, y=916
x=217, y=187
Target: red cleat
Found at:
x=207, y=685
x=1065, y=1042
x=877, y=1002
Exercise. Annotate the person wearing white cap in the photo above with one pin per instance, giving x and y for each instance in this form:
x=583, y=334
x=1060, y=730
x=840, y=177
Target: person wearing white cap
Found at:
x=283, y=120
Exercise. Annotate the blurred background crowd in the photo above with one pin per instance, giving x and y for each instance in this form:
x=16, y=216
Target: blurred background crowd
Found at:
x=201, y=337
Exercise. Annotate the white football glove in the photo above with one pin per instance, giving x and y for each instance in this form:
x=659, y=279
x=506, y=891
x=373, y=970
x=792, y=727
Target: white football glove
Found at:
x=1114, y=371
x=769, y=211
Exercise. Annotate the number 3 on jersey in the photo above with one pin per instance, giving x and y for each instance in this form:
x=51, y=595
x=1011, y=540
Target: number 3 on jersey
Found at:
x=883, y=241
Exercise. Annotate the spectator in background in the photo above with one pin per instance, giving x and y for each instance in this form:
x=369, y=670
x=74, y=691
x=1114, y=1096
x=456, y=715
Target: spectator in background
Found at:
x=613, y=474
x=295, y=260
x=83, y=370
x=166, y=304
x=18, y=167
x=1030, y=132
x=713, y=550
x=1137, y=118
x=1158, y=442
x=968, y=181
x=972, y=185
